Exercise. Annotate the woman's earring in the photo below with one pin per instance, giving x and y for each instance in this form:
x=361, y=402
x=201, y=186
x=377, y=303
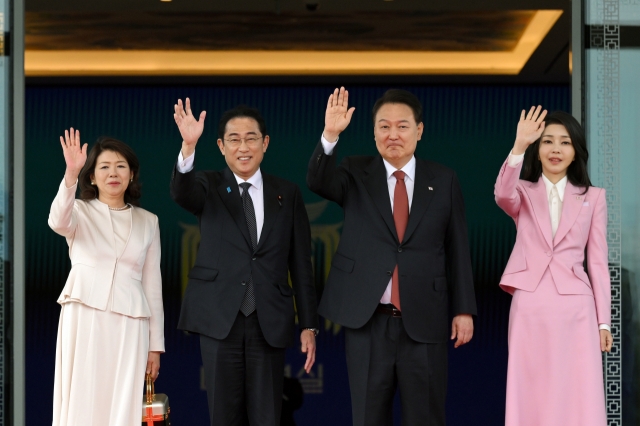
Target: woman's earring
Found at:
x=131, y=180
x=93, y=183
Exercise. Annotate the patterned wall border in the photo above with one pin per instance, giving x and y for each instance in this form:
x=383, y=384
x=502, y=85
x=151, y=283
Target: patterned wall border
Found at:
x=605, y=42
x=4, y=269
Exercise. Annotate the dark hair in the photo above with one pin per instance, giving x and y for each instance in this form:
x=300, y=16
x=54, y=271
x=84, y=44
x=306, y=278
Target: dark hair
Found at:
x=90, y=192
x=241, y=111
x=577, y=172
x=398, y=96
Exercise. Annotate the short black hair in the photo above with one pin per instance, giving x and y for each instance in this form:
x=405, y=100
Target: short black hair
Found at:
x=241, y=111
x=398, y=96
x=577, y=173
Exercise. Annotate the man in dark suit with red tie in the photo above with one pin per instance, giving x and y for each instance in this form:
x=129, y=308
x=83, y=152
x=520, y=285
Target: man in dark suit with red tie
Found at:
x=403, y=258
x=255, y=234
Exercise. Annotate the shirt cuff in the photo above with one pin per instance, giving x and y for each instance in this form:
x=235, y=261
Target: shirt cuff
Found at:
x=605, y=327
x=328, y=146
x=514, y=160
x=74, y=186
x=185, y=165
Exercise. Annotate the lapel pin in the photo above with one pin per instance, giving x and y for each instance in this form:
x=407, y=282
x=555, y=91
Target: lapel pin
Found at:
x=280, y=200
x=579, y=197
x=430, y=189
x=228, y=190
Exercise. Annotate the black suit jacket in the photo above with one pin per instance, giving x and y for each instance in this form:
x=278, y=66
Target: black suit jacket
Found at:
x=226, y=260
x=433, y=260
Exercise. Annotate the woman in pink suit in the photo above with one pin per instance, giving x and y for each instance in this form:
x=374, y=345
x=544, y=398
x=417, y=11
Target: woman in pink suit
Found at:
x=560, y=314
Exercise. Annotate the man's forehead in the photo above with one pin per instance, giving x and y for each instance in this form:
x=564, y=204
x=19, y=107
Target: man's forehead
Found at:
x=395, y=112
x=242, y=125
x=399, y=120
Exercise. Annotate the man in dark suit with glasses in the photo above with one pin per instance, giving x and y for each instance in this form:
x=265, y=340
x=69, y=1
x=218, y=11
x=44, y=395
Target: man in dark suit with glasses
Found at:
x=254, y=234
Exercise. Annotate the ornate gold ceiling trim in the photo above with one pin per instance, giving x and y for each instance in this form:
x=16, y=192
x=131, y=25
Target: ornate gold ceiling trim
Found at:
x=194, y=63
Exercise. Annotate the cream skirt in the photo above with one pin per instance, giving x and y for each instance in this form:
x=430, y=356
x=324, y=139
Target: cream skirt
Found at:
x=101, y=359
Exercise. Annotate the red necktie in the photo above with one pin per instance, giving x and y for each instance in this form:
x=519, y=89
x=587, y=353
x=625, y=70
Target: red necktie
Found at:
x=401, y=218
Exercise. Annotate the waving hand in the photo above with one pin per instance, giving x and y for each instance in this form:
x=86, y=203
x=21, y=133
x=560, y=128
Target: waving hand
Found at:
x=190, y=128
x=530, y=129
x=75, y=155
x=338, y=115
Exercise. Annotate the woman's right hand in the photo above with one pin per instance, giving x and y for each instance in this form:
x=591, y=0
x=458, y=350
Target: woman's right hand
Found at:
x=75, y=155
x=529, y=130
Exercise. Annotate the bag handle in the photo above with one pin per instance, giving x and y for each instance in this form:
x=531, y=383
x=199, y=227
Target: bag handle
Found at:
x=151, y=392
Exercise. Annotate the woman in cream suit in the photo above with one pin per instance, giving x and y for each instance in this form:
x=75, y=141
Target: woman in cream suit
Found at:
x=560, y=314
x=111, y=329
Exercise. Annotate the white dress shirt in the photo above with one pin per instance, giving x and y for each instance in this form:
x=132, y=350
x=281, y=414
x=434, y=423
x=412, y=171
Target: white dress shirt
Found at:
x=555, y=196
x=256, y=192
x=409, y=180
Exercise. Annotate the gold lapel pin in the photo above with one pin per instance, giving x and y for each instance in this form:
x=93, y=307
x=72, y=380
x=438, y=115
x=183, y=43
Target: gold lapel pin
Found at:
x=579, y=197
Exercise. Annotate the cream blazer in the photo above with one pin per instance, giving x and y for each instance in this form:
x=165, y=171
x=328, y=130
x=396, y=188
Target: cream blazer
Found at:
x=133, y=280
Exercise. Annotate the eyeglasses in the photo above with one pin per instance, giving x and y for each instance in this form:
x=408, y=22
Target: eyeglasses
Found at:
x=251, y=142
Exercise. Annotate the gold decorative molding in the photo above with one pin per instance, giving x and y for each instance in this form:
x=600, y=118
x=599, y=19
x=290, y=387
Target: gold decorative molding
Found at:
x=235, y=62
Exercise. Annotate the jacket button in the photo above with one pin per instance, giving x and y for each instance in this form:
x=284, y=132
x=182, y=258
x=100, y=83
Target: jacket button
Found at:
x=549, y=253
x=399, y=249
x=243, y=283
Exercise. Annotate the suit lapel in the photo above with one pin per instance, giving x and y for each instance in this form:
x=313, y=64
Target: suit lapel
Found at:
x=375, y=181
x=538, y=195
x=271, y=206
x=422, y=196
x=230, y=195
x=571, y=206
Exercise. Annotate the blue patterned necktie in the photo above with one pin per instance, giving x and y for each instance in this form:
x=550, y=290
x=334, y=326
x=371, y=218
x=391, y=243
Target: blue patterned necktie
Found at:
x=249, y=302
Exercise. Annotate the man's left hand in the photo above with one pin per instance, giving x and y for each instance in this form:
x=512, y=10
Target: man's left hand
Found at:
x=462, y=328
x=308, y=340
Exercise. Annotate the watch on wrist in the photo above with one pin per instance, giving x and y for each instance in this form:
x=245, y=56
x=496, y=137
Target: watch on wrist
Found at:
x=315, y=331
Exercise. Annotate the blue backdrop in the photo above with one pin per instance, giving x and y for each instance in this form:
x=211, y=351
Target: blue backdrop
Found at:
x=468, y=128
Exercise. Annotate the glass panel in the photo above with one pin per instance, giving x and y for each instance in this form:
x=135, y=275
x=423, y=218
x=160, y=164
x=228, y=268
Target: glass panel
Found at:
x=613, y=131
x=5, y=194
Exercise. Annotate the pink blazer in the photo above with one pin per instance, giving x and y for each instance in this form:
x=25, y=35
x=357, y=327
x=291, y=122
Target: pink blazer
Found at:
x=583, y=224
x=133, y=279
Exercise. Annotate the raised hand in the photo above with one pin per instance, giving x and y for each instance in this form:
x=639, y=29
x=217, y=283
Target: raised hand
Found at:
x=75, y=155
x=338, y=115
x=190, y=128
x=530, y=129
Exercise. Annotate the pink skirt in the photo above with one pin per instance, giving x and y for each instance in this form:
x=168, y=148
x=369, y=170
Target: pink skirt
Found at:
x=101, y=359
x=554, y=375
